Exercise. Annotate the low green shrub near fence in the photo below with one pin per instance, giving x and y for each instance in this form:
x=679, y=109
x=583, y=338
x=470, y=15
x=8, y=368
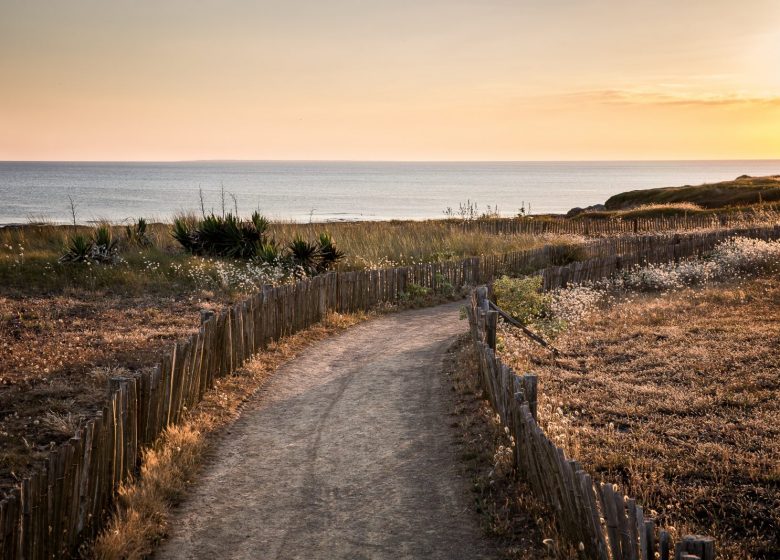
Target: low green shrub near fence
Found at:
x=67, y=499
x=596, y=518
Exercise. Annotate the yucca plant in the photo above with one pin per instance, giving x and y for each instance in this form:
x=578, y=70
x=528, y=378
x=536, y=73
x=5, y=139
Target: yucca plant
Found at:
x=222, y=236
x=79, y=249
x=231, y=237
x=268, y=253
x=183, y=232
x=104, y=246
x=328, y=253
x=304, y=255
x=137, y=235
x=228, y=237
x=260, y=222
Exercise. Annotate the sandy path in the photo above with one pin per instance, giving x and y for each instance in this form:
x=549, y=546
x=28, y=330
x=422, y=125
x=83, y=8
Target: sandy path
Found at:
x=346, y=452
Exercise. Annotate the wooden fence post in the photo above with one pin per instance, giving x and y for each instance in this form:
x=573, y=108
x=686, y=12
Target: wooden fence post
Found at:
x=205, y=315
x=530, y=384
x=697, y=546
x=491, y=324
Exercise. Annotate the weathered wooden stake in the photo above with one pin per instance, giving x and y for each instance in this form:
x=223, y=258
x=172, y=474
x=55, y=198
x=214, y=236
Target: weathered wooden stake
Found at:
x=491, y=323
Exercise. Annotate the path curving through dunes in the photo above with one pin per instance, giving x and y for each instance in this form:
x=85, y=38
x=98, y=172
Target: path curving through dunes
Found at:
x=346, y=452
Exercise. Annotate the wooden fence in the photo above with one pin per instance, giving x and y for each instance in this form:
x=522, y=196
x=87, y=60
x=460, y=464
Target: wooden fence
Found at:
x=594, y=517
x=610, y=256
x=620, y=226
x=67, y=499
x=597, y=517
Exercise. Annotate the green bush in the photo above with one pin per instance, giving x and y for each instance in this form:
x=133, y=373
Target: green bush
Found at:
x=229, y=236
x=136, y=234
x=328, y=253
x=104, y=246
x=522, y=298
x=78, y=250
x=414, y=291
x=443, y=285
x=101, y=247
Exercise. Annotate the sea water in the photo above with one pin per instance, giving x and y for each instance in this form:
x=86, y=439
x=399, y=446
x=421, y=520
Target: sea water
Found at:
x=323, y=191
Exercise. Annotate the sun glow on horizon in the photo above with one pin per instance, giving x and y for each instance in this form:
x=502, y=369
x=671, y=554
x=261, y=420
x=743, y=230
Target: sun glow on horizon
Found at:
x=402, y=80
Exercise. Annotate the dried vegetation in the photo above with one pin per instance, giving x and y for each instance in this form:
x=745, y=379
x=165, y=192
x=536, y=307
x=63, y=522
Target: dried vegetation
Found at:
x=676, y=397
x=519, y=525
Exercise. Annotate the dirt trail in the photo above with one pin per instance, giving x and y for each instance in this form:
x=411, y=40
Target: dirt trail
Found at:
x=346, y=452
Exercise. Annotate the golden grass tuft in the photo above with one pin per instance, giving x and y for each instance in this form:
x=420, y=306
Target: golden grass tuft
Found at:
x=144, y=503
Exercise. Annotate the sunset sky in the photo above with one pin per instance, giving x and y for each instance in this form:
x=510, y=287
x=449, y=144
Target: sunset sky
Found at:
x=389, y=79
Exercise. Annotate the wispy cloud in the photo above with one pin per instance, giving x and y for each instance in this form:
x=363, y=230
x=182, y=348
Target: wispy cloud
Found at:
x=670, y=98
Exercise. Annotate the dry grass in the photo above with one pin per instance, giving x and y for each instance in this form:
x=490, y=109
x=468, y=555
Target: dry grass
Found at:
x=520, y=526
x=676, y=397
x=29, y=257
x=401, y=243
x=57, y=352
x=142, y=516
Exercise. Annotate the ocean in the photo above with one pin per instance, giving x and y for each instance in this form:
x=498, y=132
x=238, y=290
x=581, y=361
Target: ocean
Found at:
x=325, y=191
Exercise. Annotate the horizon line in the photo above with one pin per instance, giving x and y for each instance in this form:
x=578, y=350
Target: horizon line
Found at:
x=239, y=160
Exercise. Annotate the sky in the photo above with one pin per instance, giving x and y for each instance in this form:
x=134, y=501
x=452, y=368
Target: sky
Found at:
x=157, y=80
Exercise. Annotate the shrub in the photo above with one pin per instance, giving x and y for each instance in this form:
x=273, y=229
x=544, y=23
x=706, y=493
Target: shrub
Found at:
x=230, y=237
x=303, y=255
x=136, y=234
x=101, y=247
x=221, y=236
x=572, y=304
x=184, y=232
x=329, y=255
x=104, y=246
x=742, y=254
x=443, y=285
x=414, y=291
x=727, y=260
x=522, y=298
x=78, y=250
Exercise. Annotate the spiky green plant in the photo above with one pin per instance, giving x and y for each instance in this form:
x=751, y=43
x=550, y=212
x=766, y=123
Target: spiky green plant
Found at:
x=136, y=234
x=304, y=255
x=183, y=233
x=329, y=254
x=79, y=249
x=269, y=253
x=104, y=246
x=260, y=222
